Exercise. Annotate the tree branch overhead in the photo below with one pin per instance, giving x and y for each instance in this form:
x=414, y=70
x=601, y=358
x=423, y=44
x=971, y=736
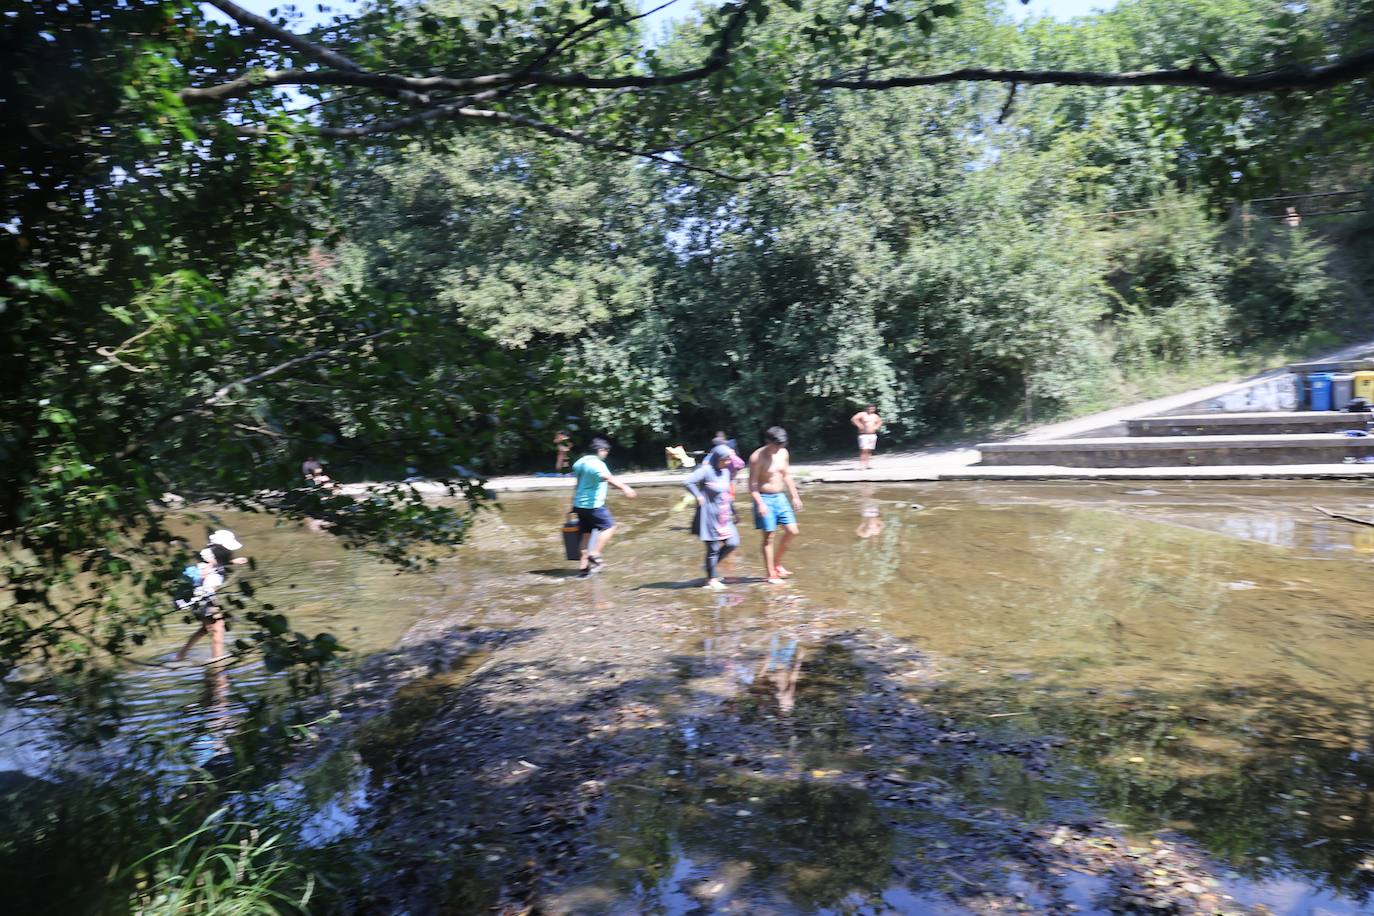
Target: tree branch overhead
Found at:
x=513, y=92
x=1287, y=79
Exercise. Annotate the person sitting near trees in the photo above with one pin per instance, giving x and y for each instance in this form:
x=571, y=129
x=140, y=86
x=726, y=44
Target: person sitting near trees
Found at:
x=677, y=457
x=314, y=473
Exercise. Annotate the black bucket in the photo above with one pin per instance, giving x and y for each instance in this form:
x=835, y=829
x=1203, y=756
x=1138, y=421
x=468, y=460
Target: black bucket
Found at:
x=572, y=538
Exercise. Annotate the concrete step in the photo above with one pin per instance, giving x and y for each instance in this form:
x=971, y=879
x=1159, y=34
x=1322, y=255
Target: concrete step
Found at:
x=1180, y=451
x=1332, y=365
x=1247, y=424
x=1214, y=472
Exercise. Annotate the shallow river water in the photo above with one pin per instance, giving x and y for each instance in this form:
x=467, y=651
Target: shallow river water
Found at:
x=1206, y=653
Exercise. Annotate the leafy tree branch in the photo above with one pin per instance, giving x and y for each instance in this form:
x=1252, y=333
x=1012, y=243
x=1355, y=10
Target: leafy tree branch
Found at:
x=223, y=391
x=346, y=73
x=1284, y=79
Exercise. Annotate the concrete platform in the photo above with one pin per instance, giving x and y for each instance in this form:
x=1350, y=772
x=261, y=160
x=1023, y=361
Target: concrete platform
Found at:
x=1248, y=424
x=1332, y=365
x=634, y=479
x=926, y=472
x=1180, y=451
x=1218, y=472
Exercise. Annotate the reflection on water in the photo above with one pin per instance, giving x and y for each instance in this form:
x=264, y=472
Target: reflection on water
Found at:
x=1206, y=650
x=747, y=846
x=368, y=605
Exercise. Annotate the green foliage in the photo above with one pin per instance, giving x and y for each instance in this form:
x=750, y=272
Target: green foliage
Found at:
x=1281, y=281
x=1141, y=142
x=166, y=338
x=1188, y=287
x=948, y=274
x=151, y=838
x=222, y=868
x=195, y=298
x=198, y=296
x=1170, y=275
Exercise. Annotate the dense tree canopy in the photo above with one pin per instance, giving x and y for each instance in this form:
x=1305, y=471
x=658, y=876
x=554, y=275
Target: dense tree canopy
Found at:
x=408, y=238
x=935, y=249
x=415, y=239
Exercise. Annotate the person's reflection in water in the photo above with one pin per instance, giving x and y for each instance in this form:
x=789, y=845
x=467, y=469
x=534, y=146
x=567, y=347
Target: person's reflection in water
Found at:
x=600, y=596
x=775, y=677
x=782, y=669
x=870, y=523
x=214, y=702
x=721, y=649
x=723, y=600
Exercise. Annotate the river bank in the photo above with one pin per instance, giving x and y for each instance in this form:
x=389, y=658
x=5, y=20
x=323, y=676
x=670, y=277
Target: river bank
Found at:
x=958, y=459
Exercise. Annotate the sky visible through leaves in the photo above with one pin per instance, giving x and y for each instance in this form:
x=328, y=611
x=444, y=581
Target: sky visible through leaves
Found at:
x=1058, y=9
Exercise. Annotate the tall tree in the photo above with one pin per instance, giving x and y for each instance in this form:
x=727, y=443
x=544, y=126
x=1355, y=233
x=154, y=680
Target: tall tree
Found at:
x=164, y=334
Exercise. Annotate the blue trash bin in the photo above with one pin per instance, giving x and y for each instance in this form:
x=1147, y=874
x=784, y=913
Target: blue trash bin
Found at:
x=1319, y=391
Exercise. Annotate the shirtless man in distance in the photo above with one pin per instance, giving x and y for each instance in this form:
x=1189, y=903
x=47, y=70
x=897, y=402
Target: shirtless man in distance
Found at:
x=867, y=422
x=770, y=483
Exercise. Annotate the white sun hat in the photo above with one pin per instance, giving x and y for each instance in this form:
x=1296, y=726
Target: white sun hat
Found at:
x=225, y=538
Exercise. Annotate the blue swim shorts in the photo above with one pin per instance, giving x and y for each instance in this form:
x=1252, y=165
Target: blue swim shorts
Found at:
x=598, y=519
x=779, y=512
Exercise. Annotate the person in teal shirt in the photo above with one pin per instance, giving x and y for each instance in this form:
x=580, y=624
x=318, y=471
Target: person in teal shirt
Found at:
x=589, y=502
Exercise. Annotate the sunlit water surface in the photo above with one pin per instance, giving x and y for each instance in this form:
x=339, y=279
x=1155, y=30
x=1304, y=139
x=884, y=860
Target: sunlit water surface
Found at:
x=1206, y=650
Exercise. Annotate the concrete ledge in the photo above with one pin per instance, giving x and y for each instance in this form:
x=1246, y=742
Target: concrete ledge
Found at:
x=531, y=484
x=927, y=474
x=1332, y=365
x=880, y=475
x=1146, y=443
x=1218, y=472
x=1252, y=423
x=1180, y=451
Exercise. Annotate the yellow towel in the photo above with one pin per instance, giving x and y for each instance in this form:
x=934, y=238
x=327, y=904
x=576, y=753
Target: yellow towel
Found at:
x=678, y=458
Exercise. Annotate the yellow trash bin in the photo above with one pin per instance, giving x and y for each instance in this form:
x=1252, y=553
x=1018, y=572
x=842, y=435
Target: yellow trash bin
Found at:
x=1364, y=386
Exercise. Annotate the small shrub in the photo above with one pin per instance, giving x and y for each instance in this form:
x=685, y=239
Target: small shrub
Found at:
x=224, y=868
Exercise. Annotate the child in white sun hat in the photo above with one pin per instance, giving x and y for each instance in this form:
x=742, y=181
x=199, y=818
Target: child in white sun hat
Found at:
x=211, y=571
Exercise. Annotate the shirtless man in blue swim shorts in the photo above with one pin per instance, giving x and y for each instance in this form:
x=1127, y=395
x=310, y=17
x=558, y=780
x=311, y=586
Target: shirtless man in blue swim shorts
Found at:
x=770, y=483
